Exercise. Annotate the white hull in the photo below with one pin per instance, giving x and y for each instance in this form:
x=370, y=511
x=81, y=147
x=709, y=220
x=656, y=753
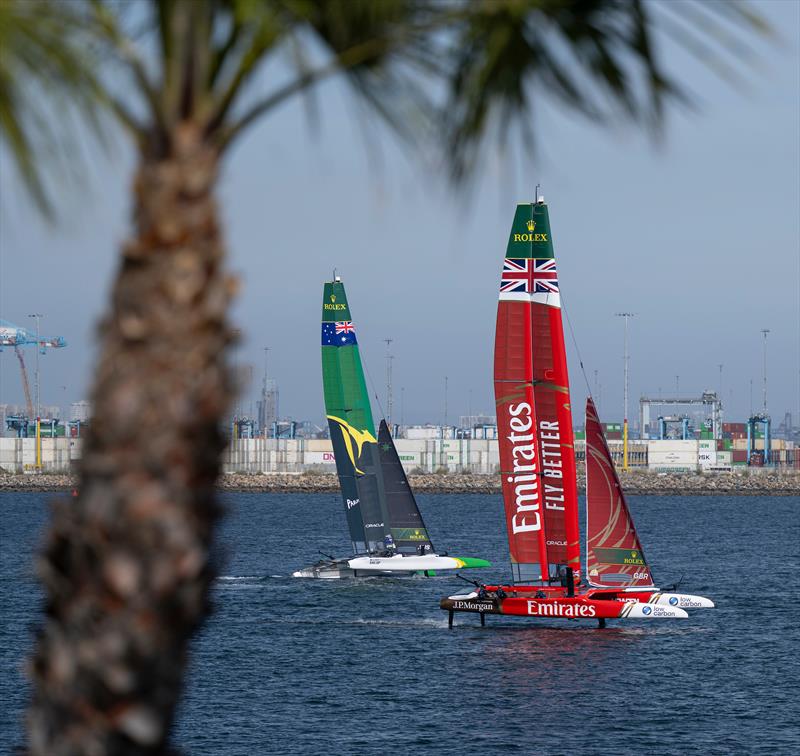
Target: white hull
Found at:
x=380, y=566
x=652, y=611
x=400, y=563
x=682, y=600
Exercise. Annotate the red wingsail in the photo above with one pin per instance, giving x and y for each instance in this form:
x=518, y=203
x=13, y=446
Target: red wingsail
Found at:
x=534, y=420
x=614, y=555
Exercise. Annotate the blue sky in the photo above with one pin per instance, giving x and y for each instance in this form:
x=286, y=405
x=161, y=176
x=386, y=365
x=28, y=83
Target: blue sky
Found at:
x=698, y=235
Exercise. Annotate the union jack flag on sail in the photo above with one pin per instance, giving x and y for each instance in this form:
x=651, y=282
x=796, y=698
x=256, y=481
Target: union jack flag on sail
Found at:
x=516, y=275
x=345, y=326
x=545, y=278
x=525, y=275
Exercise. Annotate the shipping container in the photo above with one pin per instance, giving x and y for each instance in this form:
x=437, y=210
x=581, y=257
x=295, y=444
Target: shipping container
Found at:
x=707, y=458
x=734, y=427
x=739, y=455
x=318, y=445
x=319, y=458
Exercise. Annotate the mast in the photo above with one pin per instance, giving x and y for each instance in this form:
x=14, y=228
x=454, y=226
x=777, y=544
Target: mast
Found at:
x=537, y=458
x=625, y=358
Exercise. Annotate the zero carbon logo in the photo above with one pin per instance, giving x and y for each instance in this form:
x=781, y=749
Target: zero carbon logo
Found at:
x=673, y=601
x=646, y=610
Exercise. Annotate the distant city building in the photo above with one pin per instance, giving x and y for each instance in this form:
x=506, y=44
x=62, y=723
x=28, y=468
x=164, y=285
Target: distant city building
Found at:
x=267, y=406
x=80, y=411
x=51, y=412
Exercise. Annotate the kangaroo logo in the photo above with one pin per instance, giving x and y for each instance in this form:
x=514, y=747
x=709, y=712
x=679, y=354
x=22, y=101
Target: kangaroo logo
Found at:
x=354, y=440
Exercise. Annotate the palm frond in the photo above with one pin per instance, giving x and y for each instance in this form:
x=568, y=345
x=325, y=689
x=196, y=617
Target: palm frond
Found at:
x=596, y=57
x=46, y=70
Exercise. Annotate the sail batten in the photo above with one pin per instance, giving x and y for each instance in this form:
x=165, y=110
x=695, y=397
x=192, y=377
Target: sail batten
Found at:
x=614, y=554
x=533, y=407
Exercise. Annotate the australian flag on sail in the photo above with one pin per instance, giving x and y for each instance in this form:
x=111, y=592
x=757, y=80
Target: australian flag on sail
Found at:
x=341, y=333
x=529, y=276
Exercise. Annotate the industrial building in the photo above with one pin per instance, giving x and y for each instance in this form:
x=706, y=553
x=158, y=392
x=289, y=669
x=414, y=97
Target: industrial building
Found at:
x=424, y=455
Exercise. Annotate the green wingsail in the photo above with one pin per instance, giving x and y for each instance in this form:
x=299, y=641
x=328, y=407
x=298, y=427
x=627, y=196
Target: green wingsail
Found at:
x=352, y=429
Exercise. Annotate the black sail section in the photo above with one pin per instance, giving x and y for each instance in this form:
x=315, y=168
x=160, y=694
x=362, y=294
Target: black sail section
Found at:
x=405, y=520
x=349, y=487
x=370, y=493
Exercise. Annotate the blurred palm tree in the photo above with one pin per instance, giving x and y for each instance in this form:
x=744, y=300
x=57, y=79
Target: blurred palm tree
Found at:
x=127, y=564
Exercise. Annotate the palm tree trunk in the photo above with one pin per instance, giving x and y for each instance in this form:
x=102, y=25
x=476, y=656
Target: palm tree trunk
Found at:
x=126, y=565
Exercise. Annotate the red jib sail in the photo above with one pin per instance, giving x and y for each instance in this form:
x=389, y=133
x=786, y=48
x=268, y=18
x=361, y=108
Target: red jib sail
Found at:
x=534, y=420
x=614, y=555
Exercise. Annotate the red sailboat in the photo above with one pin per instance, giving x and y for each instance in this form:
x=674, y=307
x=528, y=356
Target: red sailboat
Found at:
x=537, y=465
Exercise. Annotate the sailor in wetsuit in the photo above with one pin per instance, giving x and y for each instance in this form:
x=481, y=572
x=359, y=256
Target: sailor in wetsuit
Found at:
x=389, y=545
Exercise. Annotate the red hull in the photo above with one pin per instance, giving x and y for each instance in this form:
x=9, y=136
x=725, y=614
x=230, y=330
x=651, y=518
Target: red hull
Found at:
x=554, y=603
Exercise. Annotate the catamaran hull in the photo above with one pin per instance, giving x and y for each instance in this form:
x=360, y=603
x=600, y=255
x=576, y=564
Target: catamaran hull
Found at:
x=388, y=566
x=644, y=596
x=577, y=607
x=327, y=573
x=426, y=563
x=682, y=600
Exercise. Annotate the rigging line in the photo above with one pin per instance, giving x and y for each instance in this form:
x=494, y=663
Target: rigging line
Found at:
x=372, y=384
x=577, y=348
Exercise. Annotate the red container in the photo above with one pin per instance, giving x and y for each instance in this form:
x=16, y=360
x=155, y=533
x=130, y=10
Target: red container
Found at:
x=734, y=427
x=739, y=455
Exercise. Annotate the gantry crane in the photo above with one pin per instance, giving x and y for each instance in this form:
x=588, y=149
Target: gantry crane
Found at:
x=25, y=385
x=14, y=336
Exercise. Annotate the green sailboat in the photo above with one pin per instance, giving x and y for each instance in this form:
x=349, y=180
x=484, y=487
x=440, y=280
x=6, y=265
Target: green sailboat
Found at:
x=387, y=532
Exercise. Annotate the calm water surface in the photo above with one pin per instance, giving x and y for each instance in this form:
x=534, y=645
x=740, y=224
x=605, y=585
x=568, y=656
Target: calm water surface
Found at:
x=368, y=666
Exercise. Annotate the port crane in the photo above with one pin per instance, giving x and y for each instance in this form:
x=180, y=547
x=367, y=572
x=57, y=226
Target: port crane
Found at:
x=13, y=336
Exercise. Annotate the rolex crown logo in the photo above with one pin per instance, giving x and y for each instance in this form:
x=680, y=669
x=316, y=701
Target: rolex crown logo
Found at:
x=531, y=225
x=333, y=297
